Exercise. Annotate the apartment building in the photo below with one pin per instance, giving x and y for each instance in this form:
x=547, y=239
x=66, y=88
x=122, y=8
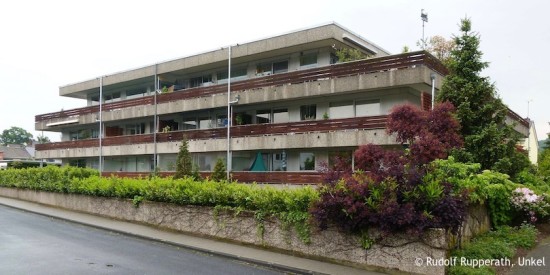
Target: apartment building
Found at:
x=294, y=106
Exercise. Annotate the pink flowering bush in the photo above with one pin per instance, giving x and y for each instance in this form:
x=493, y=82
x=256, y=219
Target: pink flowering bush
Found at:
x=532, y=205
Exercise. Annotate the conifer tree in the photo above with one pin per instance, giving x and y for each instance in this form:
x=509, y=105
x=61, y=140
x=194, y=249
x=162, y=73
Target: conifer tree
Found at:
x=184, y=163
x=544, y=161
x=488, y=140
x=219, y=173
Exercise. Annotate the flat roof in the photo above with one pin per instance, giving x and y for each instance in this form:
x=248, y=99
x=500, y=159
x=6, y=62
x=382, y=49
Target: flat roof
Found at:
x=323, y=32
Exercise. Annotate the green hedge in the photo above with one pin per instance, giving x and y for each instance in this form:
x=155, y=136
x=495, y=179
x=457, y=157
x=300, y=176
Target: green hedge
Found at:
x=182, y=191
x=291, y=205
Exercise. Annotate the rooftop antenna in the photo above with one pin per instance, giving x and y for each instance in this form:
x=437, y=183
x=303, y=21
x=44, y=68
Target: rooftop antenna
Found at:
x=424, y=17
x=528, y=103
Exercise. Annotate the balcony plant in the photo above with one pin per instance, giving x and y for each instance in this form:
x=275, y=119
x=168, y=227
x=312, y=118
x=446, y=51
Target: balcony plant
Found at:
x=239, y=119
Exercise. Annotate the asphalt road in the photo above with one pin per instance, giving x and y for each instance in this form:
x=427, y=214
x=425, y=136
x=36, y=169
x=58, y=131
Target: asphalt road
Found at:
x=36, y=244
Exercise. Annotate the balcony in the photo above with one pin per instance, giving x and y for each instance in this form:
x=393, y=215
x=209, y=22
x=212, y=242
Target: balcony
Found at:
x=362, y=123
x=368, y=66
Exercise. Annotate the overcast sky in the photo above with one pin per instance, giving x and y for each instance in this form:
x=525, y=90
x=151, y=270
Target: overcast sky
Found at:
x=47, y=44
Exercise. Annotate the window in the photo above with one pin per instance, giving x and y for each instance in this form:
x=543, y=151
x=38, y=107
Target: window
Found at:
x=280, y=115
x=85, y=134
x=237, y=73
x=278, y=161
x=111, y=97
x=190, y=124
x=272, y=67
x=280, y=67
x=135, y=93
x=221, y=75
x=264, y=68
x=333, y=58
x=205, y=123
x=307, y=161
x=78, y=163
x=340, y=158
x=221, y=121
x=308, y=112
x=308, y=59
x=93, y=163
x=135, y=129
x=73, y=135
x=94, y=100
x=367, y=108
x=203, y=161
x=341, y=109
x=263, y=116
x=200, y=80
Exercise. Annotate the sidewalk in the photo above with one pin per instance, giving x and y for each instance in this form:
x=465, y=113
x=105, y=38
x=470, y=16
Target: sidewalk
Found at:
x=541, y=264
x=249, y=254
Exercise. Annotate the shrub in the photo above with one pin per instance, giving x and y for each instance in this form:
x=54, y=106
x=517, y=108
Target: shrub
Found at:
x=531, y=204
x=498, y=244
x=493, y=189
x=49, y=178
x=360, y=202
x=387, y=190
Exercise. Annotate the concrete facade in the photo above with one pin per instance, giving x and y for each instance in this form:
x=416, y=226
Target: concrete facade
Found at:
x=283, y=81
x=418, y=77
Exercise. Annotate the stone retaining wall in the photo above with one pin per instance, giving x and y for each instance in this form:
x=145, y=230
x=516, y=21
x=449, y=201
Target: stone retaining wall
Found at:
x=396, y=253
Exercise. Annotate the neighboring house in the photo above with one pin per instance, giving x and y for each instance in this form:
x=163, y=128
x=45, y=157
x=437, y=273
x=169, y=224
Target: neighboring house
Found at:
x=528, y=134
x=298, y=106
x=531, y=143
x=13, y=152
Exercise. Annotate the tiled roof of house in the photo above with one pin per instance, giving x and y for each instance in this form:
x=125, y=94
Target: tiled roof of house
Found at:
x=14, y=151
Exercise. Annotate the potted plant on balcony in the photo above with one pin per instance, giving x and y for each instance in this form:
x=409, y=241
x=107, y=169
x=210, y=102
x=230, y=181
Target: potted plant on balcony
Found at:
x=239, y=119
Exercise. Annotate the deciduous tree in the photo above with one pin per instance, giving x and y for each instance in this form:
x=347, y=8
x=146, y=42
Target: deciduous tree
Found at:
x=349, y=54
x=15, y=135
x=441, y=48
x=42, y=139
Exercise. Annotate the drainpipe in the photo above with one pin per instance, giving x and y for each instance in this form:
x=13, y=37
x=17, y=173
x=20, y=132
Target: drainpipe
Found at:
x=100, y=125
x=155, y=121
x=228, y=160
x=41, y=160
x=432, y=76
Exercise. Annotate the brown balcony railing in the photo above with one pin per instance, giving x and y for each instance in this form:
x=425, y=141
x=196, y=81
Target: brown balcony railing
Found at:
x=517, y=118
x=372, y=122
x=393, y=62
x=302, y=177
